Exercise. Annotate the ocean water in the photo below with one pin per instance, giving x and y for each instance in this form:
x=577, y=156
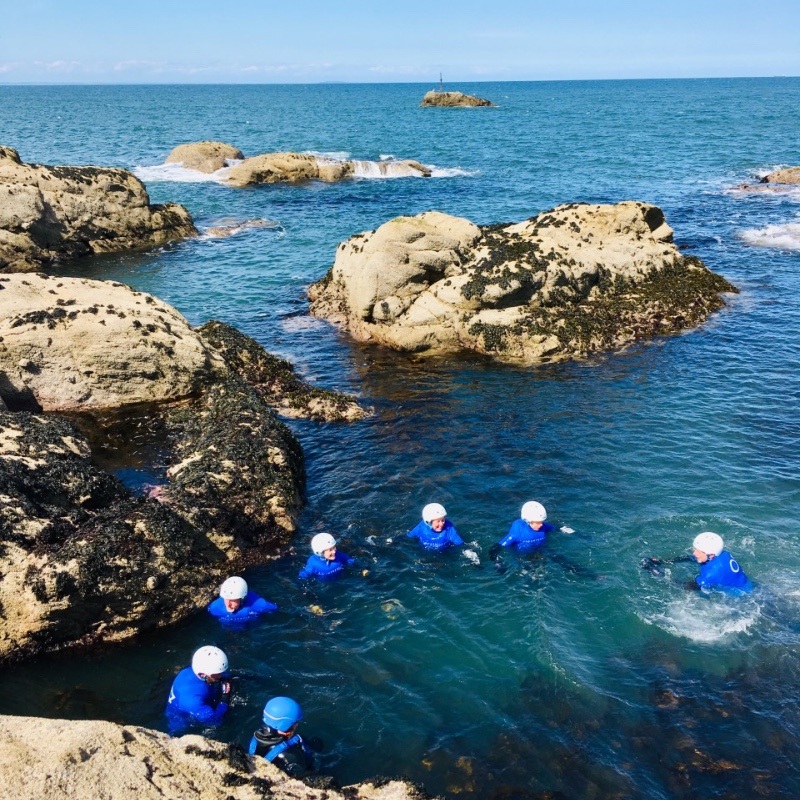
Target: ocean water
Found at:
x=575, y=672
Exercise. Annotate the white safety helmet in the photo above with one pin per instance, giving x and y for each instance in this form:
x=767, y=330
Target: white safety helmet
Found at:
x=233, y=589
x=433, y=511
x=322, y=542
x=533, y=512
x=708, y=543
x=209, y=660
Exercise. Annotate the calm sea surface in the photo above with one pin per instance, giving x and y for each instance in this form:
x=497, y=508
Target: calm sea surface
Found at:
x=575, y=672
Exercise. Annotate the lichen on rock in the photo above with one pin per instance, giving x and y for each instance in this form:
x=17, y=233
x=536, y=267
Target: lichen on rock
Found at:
x=51, y=214
x=563, y=284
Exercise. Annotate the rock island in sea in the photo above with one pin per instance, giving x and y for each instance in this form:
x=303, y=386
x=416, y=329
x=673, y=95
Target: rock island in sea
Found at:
x=563, y=284
x=444, y=99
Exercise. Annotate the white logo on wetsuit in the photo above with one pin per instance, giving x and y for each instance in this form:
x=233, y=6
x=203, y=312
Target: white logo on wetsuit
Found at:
x=734, y=566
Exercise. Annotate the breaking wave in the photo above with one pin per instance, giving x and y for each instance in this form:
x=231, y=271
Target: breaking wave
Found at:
x=782, y=237
x=177, y=173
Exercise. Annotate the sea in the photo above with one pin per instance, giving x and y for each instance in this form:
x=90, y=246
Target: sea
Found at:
x=574, y=673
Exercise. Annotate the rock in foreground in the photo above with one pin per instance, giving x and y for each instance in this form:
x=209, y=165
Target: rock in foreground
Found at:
x=205, y=157
x=45, y=759
x=788, y=175
x=566, y=283
x=453, y=100
x=48, y=214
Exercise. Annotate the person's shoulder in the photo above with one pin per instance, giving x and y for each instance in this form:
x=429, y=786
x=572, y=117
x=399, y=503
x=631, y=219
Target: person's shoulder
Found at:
x=217, y=607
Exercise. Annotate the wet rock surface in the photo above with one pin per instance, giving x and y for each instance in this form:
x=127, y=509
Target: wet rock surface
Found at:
x=453, y=100
x=564, y=284
x=790, y=175
x=49, y=214
x=82, y=559
x=275, y=379
x=55, y=759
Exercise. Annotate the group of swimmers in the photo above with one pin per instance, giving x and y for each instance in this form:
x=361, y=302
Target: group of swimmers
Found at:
x=201, y=692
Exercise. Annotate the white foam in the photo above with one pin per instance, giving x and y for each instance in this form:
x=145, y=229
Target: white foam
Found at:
x=567, y=529
x=452, y=172
x=176, y=173
x=385, y=169
x=387, y=157
x=335, y=155
x=227, y=228
x=707, y=619
x=472, y=556
x=297, y=324
x=782, y=237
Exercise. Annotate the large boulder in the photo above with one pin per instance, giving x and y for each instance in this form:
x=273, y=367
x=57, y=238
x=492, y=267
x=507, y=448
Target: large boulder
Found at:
x=786, y=175
x=288, y=168
x=72, y=344
x=571, y=281
x=82, y=558
x=204, y=156
x=453, y=100
x=48, y=214
x=56, y=759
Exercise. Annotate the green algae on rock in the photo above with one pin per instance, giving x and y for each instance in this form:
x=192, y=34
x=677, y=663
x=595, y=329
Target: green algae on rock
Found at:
x=564, y=284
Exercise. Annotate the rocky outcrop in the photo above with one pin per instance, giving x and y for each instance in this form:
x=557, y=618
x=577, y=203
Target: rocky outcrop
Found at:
x=49, y=214
x=300, y=168
x=59, y=759
x=71, y=344
x=788, y=175
x=569, y=282
x=82, y=559
x=453, y=100
x=204, y=156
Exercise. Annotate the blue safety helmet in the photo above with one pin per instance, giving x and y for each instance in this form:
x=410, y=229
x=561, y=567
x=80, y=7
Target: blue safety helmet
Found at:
x=281, y=713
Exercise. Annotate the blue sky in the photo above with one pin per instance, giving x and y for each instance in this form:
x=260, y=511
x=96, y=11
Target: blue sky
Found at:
x=305, y=41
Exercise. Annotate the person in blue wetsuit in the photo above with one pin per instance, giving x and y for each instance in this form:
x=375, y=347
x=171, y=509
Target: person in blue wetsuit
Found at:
x=528, y=533
x=435, y=532
x=327, y=563
x=278, y=741
x=200, y=693
x=237, y=605
x=718, y=569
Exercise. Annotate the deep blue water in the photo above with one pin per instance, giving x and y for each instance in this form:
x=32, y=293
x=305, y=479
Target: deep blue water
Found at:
x=574, y=672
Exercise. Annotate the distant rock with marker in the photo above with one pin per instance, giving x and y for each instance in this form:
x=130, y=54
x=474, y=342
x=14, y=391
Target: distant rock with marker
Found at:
x=453, y=100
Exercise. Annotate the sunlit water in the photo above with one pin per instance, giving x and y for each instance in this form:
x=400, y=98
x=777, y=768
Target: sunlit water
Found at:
x=575, y=671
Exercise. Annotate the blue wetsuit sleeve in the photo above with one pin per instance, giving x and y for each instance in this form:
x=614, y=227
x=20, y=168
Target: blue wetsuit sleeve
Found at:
x=217, y=608
x=510, y=538
x=453, y=536
x=414, y=532
x=262, y=606
x=349, y=560
x=209, y=715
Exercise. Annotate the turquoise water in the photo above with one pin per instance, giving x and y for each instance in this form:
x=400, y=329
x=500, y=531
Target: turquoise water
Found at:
x=575, y=672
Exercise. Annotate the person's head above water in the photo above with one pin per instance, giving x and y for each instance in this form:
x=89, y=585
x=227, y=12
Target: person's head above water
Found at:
x=707, y=545
x=233, y=591
x=282, y=714
x=209, y=663
x=434, y=514
x=323, y=544
x=534, y=514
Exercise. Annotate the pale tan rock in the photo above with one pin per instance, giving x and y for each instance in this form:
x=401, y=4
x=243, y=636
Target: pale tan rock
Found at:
x=205, y=157
x=453, y=100
x=560, y=285
x=76, y=344
x=280, y=168
x=55, y=759
x=787, y=175
x=53, y=213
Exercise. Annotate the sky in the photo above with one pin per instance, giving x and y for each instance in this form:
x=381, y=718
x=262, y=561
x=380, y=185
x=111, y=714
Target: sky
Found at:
x=354, y=41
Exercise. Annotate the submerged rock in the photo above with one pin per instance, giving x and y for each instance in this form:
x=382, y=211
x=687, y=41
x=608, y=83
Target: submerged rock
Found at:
x=453, y=99
x=204, y=156
x=787, y=175
x=81, y=559
x=56, y=759
x=563, y=284
x=48, y=214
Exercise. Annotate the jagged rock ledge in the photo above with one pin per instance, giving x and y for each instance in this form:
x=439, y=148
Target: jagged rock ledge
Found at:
x=49, y=214
x=45, y=759
x=82, y=560
x=788, y=175
x=290, y=168
x=453, y=100
x=564, y=284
